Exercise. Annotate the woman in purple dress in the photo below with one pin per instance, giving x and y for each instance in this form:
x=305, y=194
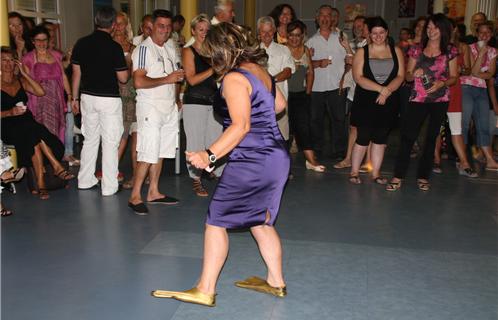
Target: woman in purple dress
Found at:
x=250, y=189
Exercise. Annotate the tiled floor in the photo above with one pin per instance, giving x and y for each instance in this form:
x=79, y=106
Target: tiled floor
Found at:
x=351, y=252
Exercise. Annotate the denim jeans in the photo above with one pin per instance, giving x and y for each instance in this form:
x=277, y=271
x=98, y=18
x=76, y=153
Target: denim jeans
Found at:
x=69, y=135
x=475, y=104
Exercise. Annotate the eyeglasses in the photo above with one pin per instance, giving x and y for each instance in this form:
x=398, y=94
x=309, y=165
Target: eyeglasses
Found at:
x=295, y=35
x=40, y=40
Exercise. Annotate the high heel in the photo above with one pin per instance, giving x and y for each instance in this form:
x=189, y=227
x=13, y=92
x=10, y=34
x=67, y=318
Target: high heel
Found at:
x=191, y=296
x=260, y=285
x=17, y=175
x=317, y=168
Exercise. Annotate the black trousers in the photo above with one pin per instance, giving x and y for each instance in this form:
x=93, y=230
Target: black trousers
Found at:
x=411, y=123
x=333, y=104
x=299, y=119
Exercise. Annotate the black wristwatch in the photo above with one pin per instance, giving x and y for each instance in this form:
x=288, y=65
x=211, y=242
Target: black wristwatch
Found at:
x=211, y=157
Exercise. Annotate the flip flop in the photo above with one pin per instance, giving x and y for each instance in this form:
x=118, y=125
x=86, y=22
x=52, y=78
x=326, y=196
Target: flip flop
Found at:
x=166, y=200
x=139, y=208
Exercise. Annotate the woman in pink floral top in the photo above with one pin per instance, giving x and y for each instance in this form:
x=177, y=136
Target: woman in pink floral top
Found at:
x=433, y=68
x=475, y=95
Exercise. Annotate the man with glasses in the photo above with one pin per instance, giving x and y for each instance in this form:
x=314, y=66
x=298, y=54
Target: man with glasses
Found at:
x=155, y=76
x=328, y=62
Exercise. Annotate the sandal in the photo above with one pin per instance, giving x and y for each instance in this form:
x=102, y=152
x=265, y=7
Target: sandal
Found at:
x=128, y=184
x=380, y=180
x=17, y=175
x=423, y=185
x=65, y=175
x=199, y=188
x=393, y=186
x=355, y=179
x=343, y=164
x=43, y=194
x=5, y=212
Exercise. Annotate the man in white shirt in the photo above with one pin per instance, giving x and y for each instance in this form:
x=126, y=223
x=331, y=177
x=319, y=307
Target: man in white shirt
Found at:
x=280, y=65
x=155, y=77
x=328, y=61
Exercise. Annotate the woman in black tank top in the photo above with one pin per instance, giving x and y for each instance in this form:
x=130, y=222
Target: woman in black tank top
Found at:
x=378, y=70
x=199, y=121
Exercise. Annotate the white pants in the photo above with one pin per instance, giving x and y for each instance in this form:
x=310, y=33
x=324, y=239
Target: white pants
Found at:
x=100, y=117
x=157, y=130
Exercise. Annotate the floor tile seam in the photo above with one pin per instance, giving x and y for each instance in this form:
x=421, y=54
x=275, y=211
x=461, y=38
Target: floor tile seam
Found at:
x=364, y=246
x=359, y=246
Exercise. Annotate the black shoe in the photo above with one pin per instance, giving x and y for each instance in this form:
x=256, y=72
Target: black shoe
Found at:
x=139, y=208
x=165, y=200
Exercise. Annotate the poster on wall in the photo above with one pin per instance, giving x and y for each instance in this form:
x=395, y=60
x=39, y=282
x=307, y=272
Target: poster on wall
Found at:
x=406, y=9
x=455, y=9
x=351, y=12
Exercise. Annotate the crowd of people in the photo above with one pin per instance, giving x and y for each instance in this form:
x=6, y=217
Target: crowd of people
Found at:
x=134, y=95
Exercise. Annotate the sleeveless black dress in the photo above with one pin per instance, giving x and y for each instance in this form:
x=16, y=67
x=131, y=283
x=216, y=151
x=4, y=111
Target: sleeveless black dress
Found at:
x=365, y=112
x=24, y=132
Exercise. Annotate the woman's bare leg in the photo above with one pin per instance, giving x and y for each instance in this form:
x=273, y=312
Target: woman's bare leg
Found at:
x=459, y=146
x=47, y=152
x=215, y=255
x=437, y=151
x=377, y=156
x=271, y=250
x=37, y=160
x=357, y=158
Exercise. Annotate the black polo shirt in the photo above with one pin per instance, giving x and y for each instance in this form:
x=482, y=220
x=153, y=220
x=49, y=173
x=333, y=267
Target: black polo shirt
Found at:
x=99, y=57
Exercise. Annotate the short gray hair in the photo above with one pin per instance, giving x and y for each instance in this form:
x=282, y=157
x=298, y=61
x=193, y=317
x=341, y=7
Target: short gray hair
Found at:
x=221, y=5
x=266, y=20
x=105, y=17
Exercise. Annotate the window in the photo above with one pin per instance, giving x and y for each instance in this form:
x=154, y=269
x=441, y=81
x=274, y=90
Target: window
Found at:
x=38, y=10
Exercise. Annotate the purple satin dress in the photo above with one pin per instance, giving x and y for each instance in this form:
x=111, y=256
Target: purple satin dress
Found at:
x=257, y=169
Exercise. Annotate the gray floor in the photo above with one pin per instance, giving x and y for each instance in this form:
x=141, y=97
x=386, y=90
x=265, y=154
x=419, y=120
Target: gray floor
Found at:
x=351, y=252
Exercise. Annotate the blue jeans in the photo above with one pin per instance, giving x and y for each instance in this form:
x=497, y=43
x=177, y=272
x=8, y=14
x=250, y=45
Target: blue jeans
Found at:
x=475, y=104
x=69, y=134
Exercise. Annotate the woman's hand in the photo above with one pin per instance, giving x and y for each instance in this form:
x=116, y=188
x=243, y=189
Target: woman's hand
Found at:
x=75, y=106
x=418, y=73
x=18, y=110
x=20, y=67
x=438, y=84
x=198, y=159
x=483, y=50
x=381, y=99
x=385, y=92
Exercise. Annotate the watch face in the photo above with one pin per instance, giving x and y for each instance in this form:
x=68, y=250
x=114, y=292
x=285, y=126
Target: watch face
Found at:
x=212, y=158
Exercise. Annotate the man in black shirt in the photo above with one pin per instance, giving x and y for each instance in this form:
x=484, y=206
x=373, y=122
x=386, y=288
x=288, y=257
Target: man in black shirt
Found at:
x=98, y=64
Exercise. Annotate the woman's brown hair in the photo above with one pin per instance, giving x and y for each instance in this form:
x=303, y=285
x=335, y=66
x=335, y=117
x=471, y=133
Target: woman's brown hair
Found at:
x=228, y=45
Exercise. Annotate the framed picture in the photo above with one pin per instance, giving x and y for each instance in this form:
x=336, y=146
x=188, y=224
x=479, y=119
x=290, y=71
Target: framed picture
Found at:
x=406, y=9
x=351, y=12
